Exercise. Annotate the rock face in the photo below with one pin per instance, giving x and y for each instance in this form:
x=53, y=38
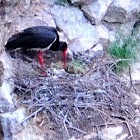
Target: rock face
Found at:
x=122, y=11
x=1, y=73
x=96, y=10
x=84, y=24
x=74, y=25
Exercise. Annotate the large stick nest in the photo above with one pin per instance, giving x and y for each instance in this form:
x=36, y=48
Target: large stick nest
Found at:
x=78, y=103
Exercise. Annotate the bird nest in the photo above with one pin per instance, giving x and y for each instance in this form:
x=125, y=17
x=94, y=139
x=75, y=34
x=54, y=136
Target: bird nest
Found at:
x=76, y=104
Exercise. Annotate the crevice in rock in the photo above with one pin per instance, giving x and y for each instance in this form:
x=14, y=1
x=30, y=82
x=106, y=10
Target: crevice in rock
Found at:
x=1, y=131
x=88, y=18
x=112, y=26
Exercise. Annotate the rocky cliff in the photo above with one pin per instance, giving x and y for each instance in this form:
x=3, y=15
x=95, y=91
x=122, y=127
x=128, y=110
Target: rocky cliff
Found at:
x=87, y=26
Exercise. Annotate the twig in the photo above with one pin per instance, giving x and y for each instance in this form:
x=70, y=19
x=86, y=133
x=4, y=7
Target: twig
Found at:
x=130, y=131
x=64, y=122
x=131, y=81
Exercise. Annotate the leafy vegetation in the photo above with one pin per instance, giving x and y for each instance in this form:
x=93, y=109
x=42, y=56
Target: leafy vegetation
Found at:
x=77, y=66
x=125, y=51
x=62, y=2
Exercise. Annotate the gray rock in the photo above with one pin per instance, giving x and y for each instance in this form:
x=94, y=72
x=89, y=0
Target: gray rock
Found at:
x=122, y=11
x=79, y=31
x=96, y=10
x=9, y=121
x=1, y=73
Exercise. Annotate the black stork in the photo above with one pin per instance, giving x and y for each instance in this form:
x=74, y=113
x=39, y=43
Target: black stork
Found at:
x=39, y=38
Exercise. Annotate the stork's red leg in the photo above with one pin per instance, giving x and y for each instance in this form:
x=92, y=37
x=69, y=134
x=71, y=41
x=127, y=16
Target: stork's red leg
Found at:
x=64, y=58
x=40, y=57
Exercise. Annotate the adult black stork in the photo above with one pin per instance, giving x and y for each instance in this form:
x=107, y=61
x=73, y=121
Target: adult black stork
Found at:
x=39, y=38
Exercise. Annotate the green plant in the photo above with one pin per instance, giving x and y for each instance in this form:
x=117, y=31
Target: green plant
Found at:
x=77, y=66
x=62, y=2
x=125, y=51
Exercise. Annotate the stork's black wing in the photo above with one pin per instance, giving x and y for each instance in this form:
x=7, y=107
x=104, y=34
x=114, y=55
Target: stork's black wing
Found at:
x=38, y=37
